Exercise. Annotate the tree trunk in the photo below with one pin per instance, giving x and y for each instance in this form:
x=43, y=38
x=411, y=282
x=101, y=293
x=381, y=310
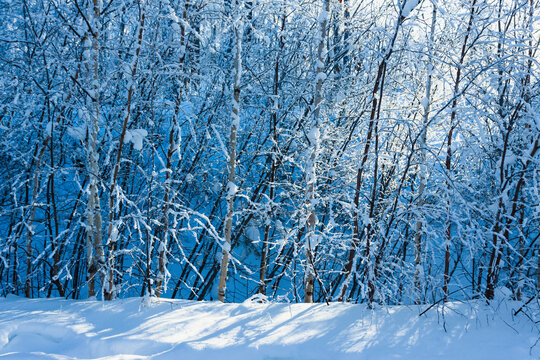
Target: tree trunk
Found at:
x=379, y=83
x=418, y=272
x=448, y=162
x=174, y=136
x=274, y=155
x=109, y=290
x=311, y=168
x=231, y=186
x=93, y=209
x=29, y=230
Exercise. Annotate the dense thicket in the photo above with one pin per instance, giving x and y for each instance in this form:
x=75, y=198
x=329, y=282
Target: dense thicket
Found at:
x=356, y=150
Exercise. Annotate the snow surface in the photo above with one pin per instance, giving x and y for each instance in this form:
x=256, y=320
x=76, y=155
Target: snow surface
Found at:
x=145, y=328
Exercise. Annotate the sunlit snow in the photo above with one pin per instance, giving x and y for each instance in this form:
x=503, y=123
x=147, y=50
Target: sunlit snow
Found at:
x=149, y=328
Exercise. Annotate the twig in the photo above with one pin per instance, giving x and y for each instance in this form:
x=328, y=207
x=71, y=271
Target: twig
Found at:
x=527, y=303
x=441, y=299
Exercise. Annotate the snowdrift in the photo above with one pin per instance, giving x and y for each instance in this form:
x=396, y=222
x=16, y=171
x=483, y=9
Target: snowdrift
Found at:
x=147, y=328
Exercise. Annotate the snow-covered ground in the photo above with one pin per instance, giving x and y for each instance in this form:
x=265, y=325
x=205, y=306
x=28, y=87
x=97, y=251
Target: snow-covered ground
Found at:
x=138, y=328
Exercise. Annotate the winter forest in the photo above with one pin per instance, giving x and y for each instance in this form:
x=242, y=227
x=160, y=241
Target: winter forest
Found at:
x=378, y=152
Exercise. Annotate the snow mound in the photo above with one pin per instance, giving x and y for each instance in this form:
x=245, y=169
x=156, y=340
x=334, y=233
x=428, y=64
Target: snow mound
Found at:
x=150, y=328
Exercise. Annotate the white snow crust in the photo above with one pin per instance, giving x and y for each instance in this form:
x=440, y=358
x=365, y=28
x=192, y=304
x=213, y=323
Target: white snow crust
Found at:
x=136, y=136
x=150, y=328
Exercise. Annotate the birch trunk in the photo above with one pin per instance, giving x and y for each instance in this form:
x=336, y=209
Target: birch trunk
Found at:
x=29, y=230
x=94, y=242
x=274, y=120
x=231, y=186
x=311, y=168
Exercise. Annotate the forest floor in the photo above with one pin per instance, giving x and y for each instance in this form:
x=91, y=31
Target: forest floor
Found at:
x=148, y=328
